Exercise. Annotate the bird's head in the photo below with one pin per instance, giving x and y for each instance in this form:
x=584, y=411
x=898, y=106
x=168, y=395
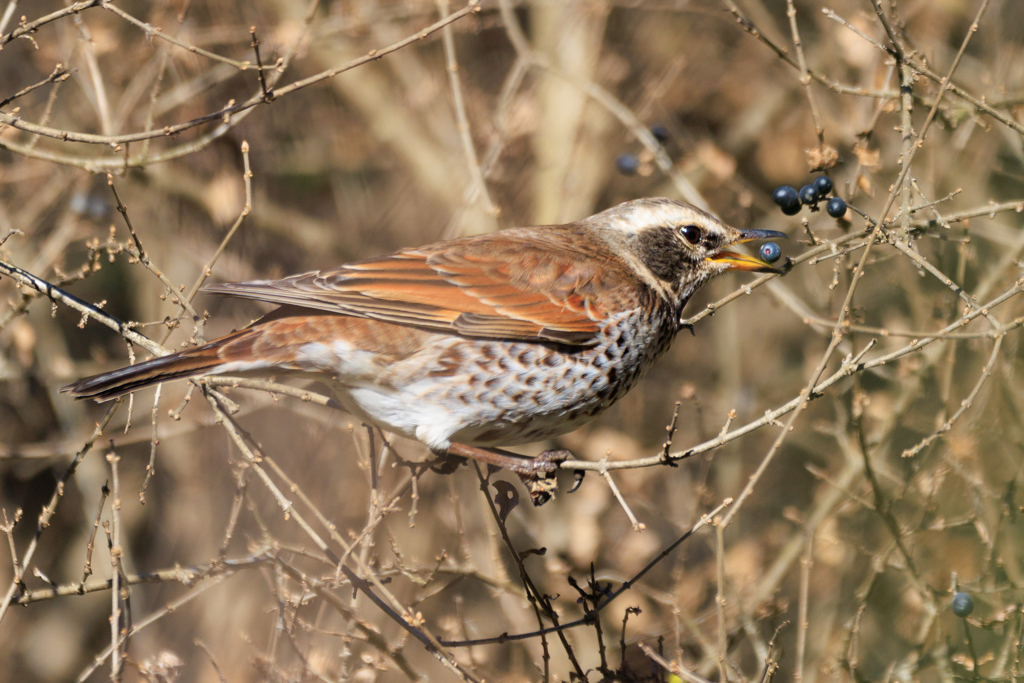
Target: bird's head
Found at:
x=676, y=247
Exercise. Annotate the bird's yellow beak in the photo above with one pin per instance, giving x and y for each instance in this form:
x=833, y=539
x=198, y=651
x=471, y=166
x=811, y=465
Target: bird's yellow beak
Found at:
x=735, y=261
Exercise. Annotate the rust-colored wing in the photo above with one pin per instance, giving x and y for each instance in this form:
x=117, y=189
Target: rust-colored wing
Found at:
x=528, y=284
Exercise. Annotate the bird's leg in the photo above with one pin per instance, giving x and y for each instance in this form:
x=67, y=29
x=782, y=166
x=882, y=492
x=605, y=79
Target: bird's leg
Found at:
x=538, y=474
x=545, y=463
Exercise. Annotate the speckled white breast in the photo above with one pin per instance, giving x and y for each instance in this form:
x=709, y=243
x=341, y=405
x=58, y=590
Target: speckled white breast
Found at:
x=500, y=393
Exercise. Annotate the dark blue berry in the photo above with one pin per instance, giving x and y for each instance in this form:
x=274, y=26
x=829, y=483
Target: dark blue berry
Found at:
x=770, y=252
x=786, y=197
x=963, y=604
x=836, y=207
x=793, y=209
x=823, y=184
x=808, y=195
x=627, y=164
x=660, y=132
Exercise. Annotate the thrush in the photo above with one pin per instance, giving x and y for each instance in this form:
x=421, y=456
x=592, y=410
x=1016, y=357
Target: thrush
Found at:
x=481, y=342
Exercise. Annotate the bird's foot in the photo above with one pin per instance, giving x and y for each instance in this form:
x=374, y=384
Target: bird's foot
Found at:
x=543, y=464
x=539, y=474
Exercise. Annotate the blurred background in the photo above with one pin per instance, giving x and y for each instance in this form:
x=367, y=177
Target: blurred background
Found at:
x=896, y=485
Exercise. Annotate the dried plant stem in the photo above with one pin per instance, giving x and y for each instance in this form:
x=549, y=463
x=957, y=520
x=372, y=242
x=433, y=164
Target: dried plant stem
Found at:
x=144, y=259
x=48, y=511
x=844, y=311
x=59, y=75
x=462, y=119
x=228, y=116
x=637, y=525
x=965, y=404
x=802, y=625
x=673, y=666
x=246, y=210
x=805, y=78
x=155, y=616
x=850, y=365
x=91, y=546
x=118, y=645
x=705, y=520
x=540, y=604
x=616, y=108
x=153, y=441
x=56, y=294
x=187, y=576
x=8, y=13
x=723, y=670
x=390, y=605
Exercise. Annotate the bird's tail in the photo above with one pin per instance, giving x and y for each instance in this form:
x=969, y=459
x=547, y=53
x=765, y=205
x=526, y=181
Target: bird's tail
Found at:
x=202, y=360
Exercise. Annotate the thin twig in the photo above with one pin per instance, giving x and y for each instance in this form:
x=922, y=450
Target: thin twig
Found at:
x=224, y=113
x=461, y=118
x=673, y=666
x=802, y=625
x=118, y=646
x=637, y=525
x=153, y=442
x=56, y=294
x=705, y=520
x=155, y=616
x=837, y=334
x=390, y=605
x=59, y=75
x=91, y=546
x=207, y=270
x=723, y=672
x=28, y=27
x=265, y=92
x=144, y=259
x=805, y=78
x=47, y=513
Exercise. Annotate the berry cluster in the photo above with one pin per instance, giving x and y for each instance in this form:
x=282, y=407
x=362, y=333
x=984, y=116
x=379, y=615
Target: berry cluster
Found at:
x=631, y=164
x=792, y=201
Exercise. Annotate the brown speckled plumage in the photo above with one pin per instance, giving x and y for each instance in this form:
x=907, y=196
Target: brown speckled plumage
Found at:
x=479, y=342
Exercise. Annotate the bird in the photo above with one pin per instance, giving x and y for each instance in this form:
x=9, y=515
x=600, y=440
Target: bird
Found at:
x=483, y=342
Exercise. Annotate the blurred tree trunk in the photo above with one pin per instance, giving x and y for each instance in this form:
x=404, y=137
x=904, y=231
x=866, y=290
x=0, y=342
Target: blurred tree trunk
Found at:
x=570, y=142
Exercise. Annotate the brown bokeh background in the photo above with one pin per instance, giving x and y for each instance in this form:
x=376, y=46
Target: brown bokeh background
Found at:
x=374, y=159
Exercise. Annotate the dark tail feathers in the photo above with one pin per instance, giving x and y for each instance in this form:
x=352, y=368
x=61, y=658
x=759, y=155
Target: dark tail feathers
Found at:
x=111, y=385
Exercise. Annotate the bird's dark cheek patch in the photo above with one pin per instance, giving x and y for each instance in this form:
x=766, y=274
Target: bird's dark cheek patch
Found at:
x=661, y=250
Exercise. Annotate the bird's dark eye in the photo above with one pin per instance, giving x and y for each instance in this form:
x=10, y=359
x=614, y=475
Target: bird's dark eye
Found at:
x=691, y=233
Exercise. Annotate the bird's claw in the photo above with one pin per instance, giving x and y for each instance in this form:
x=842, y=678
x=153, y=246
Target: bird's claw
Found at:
x=577, y=480
x=538, y=474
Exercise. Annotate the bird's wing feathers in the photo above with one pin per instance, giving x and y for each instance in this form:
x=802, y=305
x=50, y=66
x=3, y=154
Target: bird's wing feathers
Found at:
x=500, y=287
